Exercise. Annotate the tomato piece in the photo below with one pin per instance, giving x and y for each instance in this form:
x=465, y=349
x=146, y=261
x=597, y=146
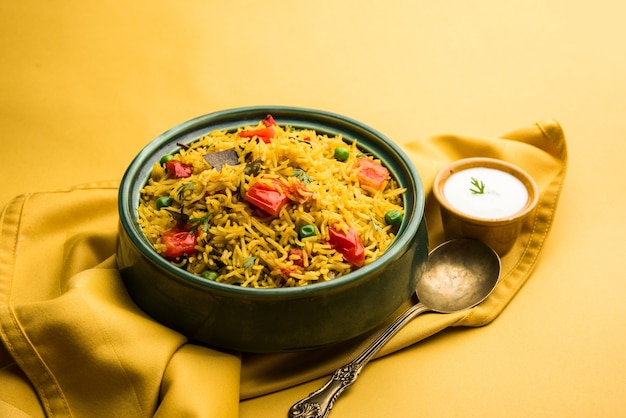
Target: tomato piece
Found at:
x=178, y=169
x=268, y=195
x=269, y=121
x=349, y=245
x=371, y=173
x=178, y=242
x=298, y=192
x=297, y=256
x=287, y=272
x=265, y=134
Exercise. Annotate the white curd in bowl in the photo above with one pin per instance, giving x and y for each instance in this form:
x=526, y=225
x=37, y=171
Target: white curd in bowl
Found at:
x=503, y=195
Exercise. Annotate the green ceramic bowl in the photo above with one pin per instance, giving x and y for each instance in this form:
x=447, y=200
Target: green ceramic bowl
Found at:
x=272, y=320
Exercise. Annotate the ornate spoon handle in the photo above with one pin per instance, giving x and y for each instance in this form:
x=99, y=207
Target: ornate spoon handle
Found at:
x=319, y=403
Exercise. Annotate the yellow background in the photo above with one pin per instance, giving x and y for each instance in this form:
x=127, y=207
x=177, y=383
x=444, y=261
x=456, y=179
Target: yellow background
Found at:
x=85, y=85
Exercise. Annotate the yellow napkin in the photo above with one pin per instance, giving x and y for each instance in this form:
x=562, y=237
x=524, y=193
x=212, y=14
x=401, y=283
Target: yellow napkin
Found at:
x=74, y=343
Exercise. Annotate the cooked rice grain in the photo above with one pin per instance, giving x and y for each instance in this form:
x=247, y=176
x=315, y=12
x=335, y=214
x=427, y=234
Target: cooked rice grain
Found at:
x=239, y=242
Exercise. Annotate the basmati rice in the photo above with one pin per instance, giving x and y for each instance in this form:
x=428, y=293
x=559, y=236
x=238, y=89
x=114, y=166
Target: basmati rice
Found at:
x=243, y=245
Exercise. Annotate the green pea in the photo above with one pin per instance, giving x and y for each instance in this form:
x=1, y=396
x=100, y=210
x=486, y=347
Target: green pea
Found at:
x=166, y=158
x=307, y=230
x=164, y=201
x=393, y=217
x=342, y=153
x=210, y=275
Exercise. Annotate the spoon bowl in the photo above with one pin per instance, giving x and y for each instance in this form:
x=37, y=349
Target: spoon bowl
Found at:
x=458, y=275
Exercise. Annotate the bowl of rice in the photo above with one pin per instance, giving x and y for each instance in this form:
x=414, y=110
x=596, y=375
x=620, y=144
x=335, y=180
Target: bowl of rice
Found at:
x=271, y=229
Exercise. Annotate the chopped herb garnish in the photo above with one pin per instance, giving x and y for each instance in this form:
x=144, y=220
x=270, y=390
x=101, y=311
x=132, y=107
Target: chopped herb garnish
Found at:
x=376, y=226
x=202, y=221
x=479, y=186
x=186, y=186
x=301, y=175
x=249, y=262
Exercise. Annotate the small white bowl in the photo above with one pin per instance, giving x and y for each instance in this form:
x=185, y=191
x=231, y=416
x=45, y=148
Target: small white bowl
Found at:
x=492, y=216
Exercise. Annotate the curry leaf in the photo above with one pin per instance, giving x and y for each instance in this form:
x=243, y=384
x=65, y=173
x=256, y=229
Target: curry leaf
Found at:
x=180, y=217
x=253, y=167
x=301, y=175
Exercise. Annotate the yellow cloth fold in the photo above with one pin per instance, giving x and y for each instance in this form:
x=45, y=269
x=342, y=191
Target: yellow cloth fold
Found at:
x=74, y=343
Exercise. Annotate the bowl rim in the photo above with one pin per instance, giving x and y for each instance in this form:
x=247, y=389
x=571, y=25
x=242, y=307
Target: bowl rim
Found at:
x=465, y=163
x=190, y=130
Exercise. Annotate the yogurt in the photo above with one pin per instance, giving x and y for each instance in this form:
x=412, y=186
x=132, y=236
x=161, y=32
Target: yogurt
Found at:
x=503, y=195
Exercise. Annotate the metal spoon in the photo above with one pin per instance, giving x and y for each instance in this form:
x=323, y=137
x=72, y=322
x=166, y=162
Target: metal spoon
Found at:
x=459, y=274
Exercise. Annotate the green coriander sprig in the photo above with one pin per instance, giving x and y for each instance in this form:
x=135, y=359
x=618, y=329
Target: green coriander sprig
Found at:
x=203, y=222
x=375, y=224
x=186, y=186
x=249, y=262
x=479, y=186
